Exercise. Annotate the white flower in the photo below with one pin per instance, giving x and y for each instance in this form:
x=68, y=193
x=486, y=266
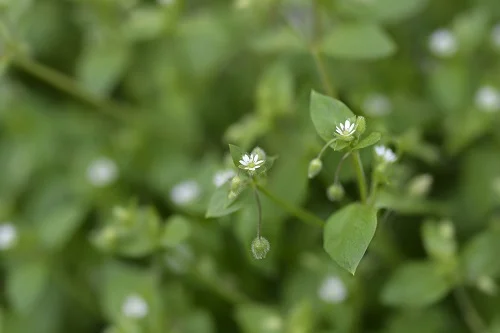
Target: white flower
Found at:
x=385, y=153
x=443, y=43
x=135, y=307
x=250, y=162
x=377, y=105
x=223, y=176
x=495, y=36
x=102, y=172
x=347, y=129
x=487, y=99
x=185, y=192
x=332, y=290
x=8, y=236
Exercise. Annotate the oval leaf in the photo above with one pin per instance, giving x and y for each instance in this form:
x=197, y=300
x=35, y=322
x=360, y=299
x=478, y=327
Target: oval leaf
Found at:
x=416, y=284
x=236, y=154
x=348, y=233
x=358, y=41
x=176, y=230
x=220, y=204
x=371, y=139
x=326, y=113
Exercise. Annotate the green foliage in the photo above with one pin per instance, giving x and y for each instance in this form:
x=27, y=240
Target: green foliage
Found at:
x=122, y=209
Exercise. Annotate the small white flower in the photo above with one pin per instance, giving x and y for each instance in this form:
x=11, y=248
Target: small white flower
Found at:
x=251, y=162
x=443, y=43
x=135, y=307
x=102, y=172
x=347, y=129
x=385, y=153
x=488, y=99
x=223, y=176
x=332, y=290
x=377, y=105
x=185, y=192
x=8, y=236
x=495, y=36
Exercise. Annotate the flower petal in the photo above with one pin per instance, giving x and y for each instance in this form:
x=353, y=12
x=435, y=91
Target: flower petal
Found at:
x=341, y=126
x=259, y=162
x=347, y=123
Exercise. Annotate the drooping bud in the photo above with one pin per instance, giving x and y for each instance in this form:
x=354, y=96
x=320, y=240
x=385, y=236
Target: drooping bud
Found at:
x=360, y=125
x=259, y=152
x=232, y=195
x=420, y=185
x=335, y=192
x=236, y=183
x=315, y=167
x=260, y=247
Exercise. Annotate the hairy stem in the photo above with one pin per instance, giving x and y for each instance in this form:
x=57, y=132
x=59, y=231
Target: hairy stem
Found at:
x=298, y=212
x=259, y=211
x=360, y=174
x=322, y=151
x=339, y=167
x=471, y=316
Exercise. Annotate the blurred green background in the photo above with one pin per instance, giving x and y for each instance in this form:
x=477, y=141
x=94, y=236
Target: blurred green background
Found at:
x=115, y=117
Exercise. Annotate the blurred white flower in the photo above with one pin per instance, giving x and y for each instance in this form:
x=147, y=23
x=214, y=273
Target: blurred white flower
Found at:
x=420, y=185
x=347, y=129
x=443, y=43
x=385, y=153
x=250, y=162
x=135, y=307
x=377, y=105
x=487, y=99
x=242, y=4
x=332, y=290
x=8, y=236
x=495, y=36
x=102, y=172
x=223, y=176
x=185, y=192
x=273, y=324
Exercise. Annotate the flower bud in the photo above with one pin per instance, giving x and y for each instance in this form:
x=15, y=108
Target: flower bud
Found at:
x=260, y=247
x=259, y=152
x=315, y=167
x=236, y=183
x=360, y=125
x=232, y=195
x=335, y=192
x=420, y=185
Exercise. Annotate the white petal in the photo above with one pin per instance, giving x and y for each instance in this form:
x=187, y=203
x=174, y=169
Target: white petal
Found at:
x=255, y=158
x=246, y=158
x=338, y=130
x=347, y=123
x=259, y=162
x=341, y=126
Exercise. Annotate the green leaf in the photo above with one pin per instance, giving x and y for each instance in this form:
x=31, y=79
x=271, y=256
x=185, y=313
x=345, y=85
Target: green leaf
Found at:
x=357, y=41
x=382, y=10
x=220, y=204
x=371, y=139
x=177, y=229
x=26, y=283
x=258, y=319
x=327, y=113
x=348, y=233
x=439, y=240
x=416, y=284
x=236, y=154
x=480, y=255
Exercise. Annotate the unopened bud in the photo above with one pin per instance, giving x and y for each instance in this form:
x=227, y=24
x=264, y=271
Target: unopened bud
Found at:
x=360, y=125
x=420, y=185
x=235, y=183
x=232, y=195
x=260, y=247
x=335, y=192
x=259, y=152
x=315, y=167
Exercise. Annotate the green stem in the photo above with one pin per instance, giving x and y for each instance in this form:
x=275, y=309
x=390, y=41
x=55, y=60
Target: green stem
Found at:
x=67, y=85
x=293, y=210
x=323, y=73
x=259, y=211
x=360, y=174
x=326, y=146
x=339, y=167
x=373, y=188
x=471, y=316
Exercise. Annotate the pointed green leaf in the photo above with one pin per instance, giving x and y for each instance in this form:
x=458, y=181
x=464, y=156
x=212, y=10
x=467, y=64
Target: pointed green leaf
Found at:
x=220, y=204
x=327, y=113
x=416, y=284
x=176, y=230
x=236, y=154
x=371, y=139
x=358, y=41
x=348, y=233
x=480, y=255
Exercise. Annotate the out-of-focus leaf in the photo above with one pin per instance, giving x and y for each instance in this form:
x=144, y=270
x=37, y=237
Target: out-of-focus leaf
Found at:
x=382, y=10
x=274, y=95
x=254, y=318
x=439, y=239
x=26, y=282
x=220, y=204
x=347, y=234
x=176, y=230
x=357, y=41
x=371, y=139
x=480, y=255
x=416, y=284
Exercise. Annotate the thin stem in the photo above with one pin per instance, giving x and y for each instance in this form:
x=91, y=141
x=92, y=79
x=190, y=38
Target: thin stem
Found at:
x=298, y=212
x=373, y=188
x=339, y=166
x=259, y=211
x=322, y=151
x=471, y=316
x=68, y=85
x=360, y=174
x=323, y=73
